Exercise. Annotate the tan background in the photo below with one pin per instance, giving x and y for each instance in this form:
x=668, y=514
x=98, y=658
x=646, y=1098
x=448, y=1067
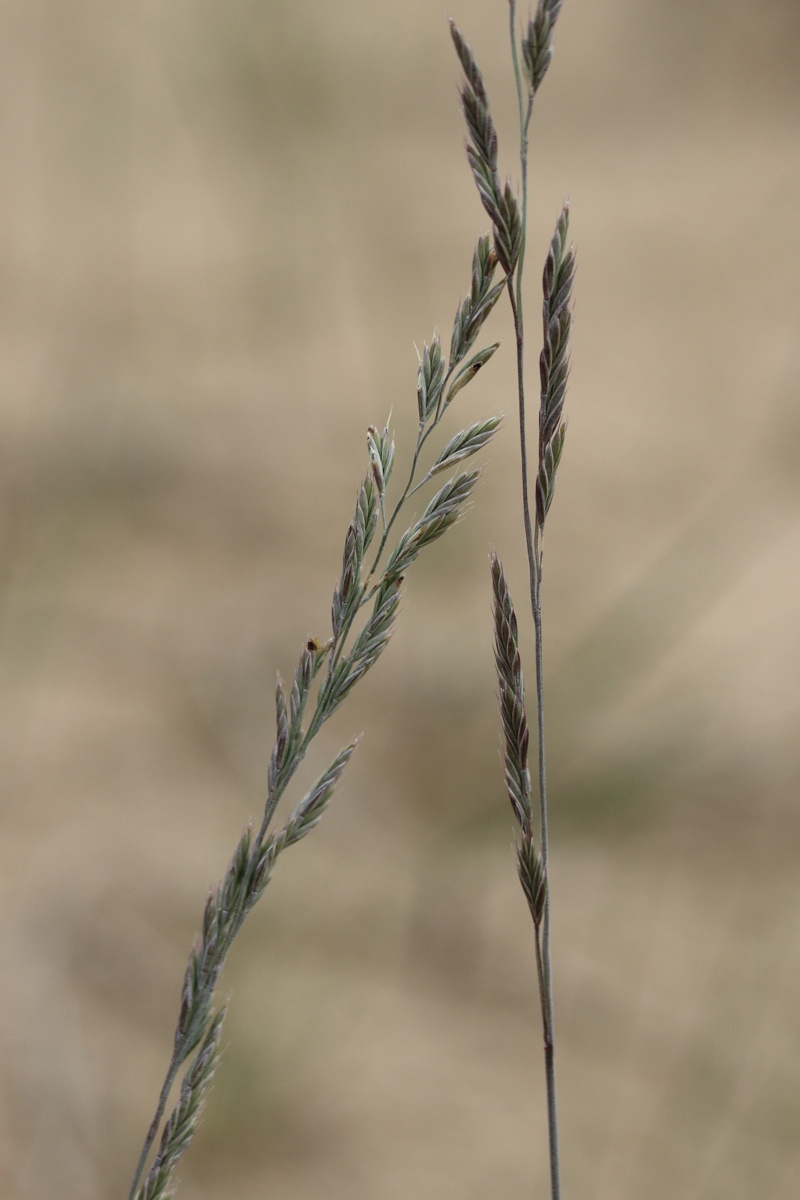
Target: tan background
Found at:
x=222, y=229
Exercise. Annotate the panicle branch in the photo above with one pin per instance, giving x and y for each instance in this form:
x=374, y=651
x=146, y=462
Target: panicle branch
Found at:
x=370, y=597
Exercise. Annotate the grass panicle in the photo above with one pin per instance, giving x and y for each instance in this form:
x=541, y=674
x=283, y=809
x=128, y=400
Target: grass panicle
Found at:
x=367, y=594
x=364, y=608
x=509, y=215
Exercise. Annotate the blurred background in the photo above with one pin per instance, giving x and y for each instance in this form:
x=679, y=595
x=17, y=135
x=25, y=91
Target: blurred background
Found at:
x=223, y=227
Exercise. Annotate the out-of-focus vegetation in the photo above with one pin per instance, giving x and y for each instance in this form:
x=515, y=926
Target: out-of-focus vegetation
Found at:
x=222, y=229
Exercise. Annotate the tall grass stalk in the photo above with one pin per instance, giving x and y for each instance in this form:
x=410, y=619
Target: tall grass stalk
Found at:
x=366, y=601
x=531, y=53
x=365, y=605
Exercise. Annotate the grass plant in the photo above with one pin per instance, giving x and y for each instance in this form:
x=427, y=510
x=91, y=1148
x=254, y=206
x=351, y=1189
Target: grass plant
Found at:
x=366, y=602
x=531, y=54
x=364, y=608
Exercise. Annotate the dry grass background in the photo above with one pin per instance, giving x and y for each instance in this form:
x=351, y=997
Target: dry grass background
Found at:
x=222, y=226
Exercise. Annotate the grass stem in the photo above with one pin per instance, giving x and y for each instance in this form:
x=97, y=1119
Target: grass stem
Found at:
x=530, y=59
x=525, y=97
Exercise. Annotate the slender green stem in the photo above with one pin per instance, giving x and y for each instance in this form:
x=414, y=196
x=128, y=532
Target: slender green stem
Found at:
x=515, y=296
x=525, y=101
x=546, y=978
x=543, y=951
x=519, y=332
x=155, y=1124
x=534, y=552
